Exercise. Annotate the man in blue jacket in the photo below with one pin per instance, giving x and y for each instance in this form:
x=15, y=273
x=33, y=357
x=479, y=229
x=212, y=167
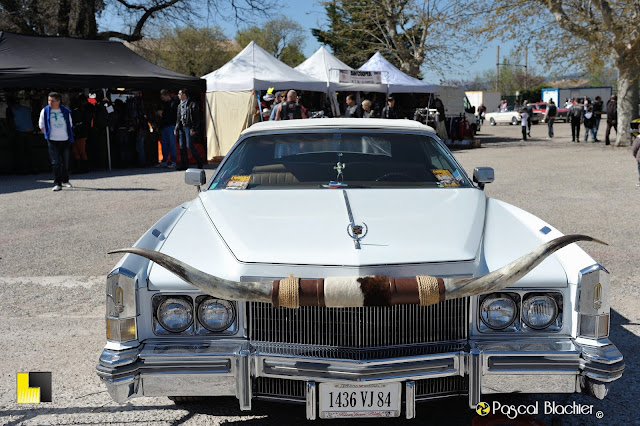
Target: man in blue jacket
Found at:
x=55, y=123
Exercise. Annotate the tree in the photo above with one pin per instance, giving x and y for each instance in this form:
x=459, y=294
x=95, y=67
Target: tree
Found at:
x=79, y=18
x=578, y=33
x=409, y=33
x=192, y=51
x=281, y=37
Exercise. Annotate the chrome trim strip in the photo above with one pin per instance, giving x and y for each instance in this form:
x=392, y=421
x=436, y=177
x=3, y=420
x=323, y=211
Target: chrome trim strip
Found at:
x=475, y=377
x=243, y=372
x=388, y=370
x=311, y=399
x=410, y=399
x=352, y=223
x=114, y=358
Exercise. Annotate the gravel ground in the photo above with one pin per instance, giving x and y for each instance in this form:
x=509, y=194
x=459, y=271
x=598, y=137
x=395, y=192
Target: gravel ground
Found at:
x=53, y=261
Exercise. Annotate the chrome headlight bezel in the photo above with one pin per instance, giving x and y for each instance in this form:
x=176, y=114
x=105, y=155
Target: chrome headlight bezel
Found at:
x=228, y=306
x=187, y=305
x=512, y=299
x=533, y=298
x=519, y=325
x=196, y=328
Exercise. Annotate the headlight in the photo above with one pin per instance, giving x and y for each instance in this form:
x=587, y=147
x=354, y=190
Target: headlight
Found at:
x=498, y=311
x=175, y=315
x=216, y=314
x=539, y=311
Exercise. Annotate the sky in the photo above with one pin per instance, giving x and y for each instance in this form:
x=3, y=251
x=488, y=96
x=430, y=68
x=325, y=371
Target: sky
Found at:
x=310, y=14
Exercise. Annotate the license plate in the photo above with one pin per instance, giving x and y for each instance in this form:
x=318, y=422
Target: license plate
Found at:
x=351, y=400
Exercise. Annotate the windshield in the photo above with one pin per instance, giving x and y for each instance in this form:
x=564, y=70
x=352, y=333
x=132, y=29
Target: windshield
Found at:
x=338, y=160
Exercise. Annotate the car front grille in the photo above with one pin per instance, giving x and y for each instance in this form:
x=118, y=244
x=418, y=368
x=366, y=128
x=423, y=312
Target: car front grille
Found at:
x=360, y=327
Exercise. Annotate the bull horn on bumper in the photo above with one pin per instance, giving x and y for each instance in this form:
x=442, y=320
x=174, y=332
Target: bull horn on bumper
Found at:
x=359, y=291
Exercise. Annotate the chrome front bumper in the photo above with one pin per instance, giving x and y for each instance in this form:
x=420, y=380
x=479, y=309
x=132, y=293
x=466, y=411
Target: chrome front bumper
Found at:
x=228, y=368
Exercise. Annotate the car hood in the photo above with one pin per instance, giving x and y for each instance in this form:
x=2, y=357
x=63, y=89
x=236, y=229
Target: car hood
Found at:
x=311, y=227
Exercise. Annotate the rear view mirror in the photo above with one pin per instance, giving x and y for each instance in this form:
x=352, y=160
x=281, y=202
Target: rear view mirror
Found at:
x=482, y=176
x=196, y=177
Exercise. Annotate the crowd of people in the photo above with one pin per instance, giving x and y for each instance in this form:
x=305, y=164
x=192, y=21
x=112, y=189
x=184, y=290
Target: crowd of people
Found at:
x=583, y=112
x=285, y=105
x=76, y=135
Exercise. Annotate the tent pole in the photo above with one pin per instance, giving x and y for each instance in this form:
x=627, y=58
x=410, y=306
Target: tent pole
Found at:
x=108, y=149
x=215, y=131
x=259, y=107
x=104, y=91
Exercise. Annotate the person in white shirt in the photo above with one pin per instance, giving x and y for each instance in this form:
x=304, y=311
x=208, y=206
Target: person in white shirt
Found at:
x=524, y=119
x=55, y=123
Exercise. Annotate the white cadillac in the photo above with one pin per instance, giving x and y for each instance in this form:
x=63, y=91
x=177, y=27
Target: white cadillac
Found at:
x=353, y=266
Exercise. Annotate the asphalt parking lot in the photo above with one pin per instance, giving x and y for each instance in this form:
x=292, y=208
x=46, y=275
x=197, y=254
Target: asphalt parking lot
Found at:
x=53, y=261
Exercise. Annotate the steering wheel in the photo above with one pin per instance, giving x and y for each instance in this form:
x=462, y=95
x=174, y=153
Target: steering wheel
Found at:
x=396, y=177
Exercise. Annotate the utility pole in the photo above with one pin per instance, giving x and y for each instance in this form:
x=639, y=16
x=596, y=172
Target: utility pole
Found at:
x=497, y=66
x=526, y=70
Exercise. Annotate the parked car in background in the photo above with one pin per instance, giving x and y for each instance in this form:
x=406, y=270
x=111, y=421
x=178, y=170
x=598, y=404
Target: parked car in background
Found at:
x=510, y=116
x=353, y=266
x=539, y=108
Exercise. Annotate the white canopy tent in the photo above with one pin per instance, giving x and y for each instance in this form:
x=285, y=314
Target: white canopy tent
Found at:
x=326, y=67
x=231, y=98
x=397, y=81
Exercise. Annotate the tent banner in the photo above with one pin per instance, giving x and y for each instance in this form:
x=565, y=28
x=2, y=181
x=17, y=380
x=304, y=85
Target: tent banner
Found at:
x=360, y=77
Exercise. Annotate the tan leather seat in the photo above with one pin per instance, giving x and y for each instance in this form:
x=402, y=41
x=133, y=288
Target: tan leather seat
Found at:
x=273, y=174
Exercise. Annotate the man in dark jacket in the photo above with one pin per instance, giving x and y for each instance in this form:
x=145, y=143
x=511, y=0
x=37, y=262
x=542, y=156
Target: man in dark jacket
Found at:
x=168, y=118
x=353, y=109
x=575, y=117
x=612, y=117
x=188, y=127
x=597, y=111
x=390, y=110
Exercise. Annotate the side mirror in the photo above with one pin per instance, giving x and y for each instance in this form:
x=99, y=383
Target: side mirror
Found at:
x=196, y=177
x=482, y=176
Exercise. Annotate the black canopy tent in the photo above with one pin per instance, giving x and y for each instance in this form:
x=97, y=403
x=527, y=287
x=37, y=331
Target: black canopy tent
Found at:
x=49, y=62
x=52, y=62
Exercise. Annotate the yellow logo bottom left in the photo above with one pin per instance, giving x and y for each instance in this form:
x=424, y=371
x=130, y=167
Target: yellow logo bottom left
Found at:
x=33, y=388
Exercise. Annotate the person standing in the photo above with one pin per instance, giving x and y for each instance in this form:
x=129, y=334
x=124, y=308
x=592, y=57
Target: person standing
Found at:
x=81, y=121
x=575, y=117
x=390, y=111
x=529, y=115
x=290, y=109
x=635, y=149
x=353, y=110
x=187, y=127
x=168, y=118
x=550, y=116
x=55, y=123
x=482, y=110
x=612, y=118
x=138, y=124
x=597, y=112
x=20, y=127
x=279, y=98
x=366, y=109
x=589, y=122
x=524, y=121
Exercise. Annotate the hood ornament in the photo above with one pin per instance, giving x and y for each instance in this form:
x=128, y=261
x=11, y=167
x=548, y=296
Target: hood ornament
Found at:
x=357, y=232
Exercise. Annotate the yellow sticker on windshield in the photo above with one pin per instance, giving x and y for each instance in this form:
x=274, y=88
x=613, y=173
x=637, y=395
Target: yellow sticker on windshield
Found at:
x=445, y=177
x=238, y=182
